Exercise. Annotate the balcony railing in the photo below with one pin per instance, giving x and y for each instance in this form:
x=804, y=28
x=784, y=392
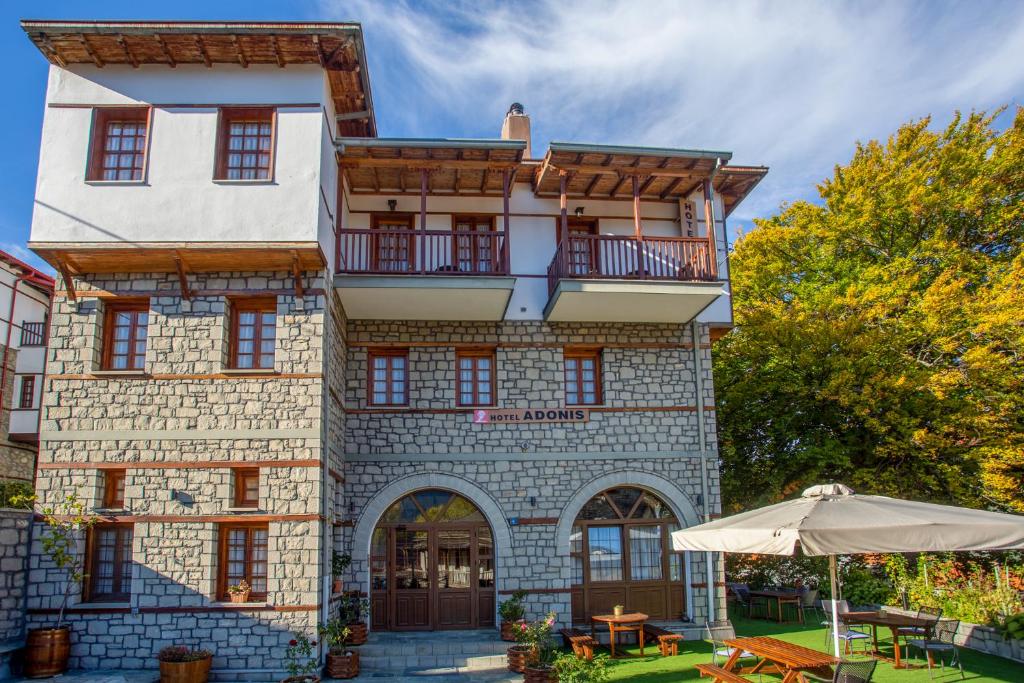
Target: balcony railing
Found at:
x=620, y=257
x=423, y=252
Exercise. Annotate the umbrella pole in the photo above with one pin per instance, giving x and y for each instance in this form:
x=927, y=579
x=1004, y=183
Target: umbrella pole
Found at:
x=833, y=576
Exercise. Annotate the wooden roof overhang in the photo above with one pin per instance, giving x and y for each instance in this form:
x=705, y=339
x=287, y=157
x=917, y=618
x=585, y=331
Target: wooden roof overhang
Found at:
x=453, y=167
x=337, y=47
x=734, y=183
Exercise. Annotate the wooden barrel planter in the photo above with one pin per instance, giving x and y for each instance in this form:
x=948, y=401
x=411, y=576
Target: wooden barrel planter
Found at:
x=185, y=672
x=546, y=675
x=342, y=665
x=508, y=630
x=358, y=633
x=47, y=651
x=519, y=657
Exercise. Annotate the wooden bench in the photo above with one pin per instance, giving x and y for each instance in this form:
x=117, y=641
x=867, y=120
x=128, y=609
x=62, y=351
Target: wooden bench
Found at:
x=668, y=642
x=582, y=643
x=719, y=674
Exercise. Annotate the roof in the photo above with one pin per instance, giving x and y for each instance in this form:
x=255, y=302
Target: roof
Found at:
x=337, y=47
x=456, y=166
x=734, y=183
x=32, y=276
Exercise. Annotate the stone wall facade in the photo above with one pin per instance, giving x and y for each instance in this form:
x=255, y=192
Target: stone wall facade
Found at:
x=16, y=459
x=14, y=531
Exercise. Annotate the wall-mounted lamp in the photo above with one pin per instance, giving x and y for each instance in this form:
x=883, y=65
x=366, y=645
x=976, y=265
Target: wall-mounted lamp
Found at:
x=392, y=204
x=579, y=212
x=533, y=501
x=700, y=500
x=351, y=507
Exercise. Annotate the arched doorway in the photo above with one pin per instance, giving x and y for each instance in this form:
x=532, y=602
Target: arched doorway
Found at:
x=621, y=554
x=432, y=564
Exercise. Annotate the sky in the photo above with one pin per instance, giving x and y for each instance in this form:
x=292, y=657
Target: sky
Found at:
x=788, y=84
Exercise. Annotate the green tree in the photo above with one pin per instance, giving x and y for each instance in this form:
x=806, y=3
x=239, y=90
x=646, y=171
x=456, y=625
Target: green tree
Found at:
x=879, y=336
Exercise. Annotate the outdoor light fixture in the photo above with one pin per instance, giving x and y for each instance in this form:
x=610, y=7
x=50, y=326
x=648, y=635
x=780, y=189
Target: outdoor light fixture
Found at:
x=392, y=204
x=579, y=212
x=700, y=500
x=533, y=501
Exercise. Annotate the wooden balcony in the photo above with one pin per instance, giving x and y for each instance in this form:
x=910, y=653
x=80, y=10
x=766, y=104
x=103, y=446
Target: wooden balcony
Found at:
x=618, y=278
x=408, y=274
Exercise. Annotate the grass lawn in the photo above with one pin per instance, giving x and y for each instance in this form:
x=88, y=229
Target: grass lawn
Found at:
x=652, y=668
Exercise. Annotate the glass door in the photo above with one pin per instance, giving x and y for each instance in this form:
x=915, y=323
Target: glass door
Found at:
x=411, y=593
x=454, y=580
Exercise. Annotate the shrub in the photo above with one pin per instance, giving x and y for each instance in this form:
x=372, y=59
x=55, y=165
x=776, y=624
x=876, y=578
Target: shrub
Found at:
x=513, y=608
x=15, y=494
x=335, y=633
x=573, y=669
x=299, y=655
x=537, y=636
x=181, y=653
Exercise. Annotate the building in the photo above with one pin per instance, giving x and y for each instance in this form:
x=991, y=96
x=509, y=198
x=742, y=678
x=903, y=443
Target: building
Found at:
x=24, y=311
x=474, y=365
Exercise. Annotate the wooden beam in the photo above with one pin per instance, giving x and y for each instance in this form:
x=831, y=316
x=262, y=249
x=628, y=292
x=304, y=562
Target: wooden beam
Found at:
x=202, y=51
x=127, y=53
x=709, y=223
x=297, y=274
x=671, y=186
x=179, y=263
x=319, y=51
x=615, y=188
x=424, y=181
x=506, y=192
x=563, y=209
x=597, y=176
x=69, y=284
x=89, y=51
x=637, y=229
x=48, y=47
x=241, y=55
x=539, y=178
x=427, y=164
x=353, y=116
x=277, y=52
x=167, y=53
x=647, y=183
x=587, y=169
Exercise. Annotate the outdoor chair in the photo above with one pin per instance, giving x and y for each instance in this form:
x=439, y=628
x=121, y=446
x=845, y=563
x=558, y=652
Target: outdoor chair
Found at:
x=943, y=640
x=809, y=601
x=720, y=649
x=848, y=672
x=931, y=614
x=748, y=603
x=846, y=634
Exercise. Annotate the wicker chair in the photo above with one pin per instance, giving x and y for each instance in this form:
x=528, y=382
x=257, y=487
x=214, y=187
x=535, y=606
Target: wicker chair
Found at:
x=943, y=640
x=848, y=672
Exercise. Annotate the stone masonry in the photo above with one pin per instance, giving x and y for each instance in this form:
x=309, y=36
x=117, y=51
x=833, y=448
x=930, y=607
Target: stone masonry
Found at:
x=14, y=529
x=16, y=459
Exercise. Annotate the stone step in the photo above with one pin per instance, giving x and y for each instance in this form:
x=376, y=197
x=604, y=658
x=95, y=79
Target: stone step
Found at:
x=434, y=663
x=434, y=653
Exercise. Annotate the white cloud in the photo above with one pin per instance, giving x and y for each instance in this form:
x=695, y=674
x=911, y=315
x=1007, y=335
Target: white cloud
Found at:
x=788, y=84
x=20, y=252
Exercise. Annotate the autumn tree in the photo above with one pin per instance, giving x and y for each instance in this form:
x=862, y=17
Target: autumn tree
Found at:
x=879, y=336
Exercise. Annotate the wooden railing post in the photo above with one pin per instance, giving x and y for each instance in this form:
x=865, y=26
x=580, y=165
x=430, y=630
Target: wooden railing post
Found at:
x=563, y=226
x=638, y=229
x=506, y=184
x=709, y=222
x=423, y=221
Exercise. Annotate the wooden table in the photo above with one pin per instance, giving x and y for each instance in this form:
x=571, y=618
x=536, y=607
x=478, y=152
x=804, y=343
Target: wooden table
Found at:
x=781, y=598
x=893, y=622
x=778, y=656
x=634, y=621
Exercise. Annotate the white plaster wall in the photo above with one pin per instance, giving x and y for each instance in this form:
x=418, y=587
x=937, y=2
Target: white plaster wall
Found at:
x=178, y=200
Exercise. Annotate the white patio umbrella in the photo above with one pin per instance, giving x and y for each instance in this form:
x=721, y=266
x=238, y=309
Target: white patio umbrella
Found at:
x=832, y=520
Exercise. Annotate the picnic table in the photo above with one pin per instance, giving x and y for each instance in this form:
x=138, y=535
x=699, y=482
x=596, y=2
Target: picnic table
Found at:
x=633, y=621
x=781, y=597
x=893, y=622
x=777, y=656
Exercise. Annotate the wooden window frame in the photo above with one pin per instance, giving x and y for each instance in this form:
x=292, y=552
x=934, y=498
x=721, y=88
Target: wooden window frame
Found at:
x=375, y=240
x=225, y=115
x=241, y=477
x=112, y=309
x=251, y=304
x=593, y=227
x=102, y=117
x=89, y=592
x=372, y=355
x=27, y=392
x=222, y=558
x=476, y=354
x=112, y=499
x=581, y=354
x=495, y=260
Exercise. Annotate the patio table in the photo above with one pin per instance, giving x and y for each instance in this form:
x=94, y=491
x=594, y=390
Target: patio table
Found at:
x=778, y=656
x=893, y=622
x=781, y=598
x=634, y=621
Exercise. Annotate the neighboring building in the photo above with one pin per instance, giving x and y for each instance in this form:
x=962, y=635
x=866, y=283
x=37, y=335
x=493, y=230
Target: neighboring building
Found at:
x=24, y=312
x=278, y=336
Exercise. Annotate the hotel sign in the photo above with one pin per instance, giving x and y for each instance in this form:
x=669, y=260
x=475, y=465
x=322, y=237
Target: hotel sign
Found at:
x=530, y=416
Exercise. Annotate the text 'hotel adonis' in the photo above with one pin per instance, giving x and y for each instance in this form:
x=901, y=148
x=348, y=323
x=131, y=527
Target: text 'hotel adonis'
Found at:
x=473, y=366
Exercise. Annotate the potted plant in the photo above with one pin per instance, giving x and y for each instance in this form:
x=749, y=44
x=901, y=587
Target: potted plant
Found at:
x=539, y=665
x=572, y=669
x=351, y=611
x=301, y=662
x=512, y=612
x=239, y=592
x=181, y=664
x=47, y=649
x=340, y=563
x=617, y=610
x=341, y=661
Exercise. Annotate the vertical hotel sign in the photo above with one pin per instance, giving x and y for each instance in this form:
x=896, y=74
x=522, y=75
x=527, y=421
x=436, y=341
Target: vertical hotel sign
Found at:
x=483, y=416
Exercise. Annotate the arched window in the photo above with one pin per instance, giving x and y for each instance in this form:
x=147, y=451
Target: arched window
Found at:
x=621, y=555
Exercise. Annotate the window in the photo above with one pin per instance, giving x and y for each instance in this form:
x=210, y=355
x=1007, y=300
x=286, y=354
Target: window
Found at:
x=118, y=146
x=109, y=563
x=32, y=334
x=245, y=144
x=113, y=489
x=582, y=377
x=28, y=392
x=392, y=244
x=253, y=331
x=474, y=377
x=247, y=488
x=243, y=557
x=474, y=244
x=389, y=377
x=125, y=344
x=584, y=247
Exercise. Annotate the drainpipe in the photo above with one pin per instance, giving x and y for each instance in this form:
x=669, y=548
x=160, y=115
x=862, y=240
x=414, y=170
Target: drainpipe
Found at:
x=702, y=441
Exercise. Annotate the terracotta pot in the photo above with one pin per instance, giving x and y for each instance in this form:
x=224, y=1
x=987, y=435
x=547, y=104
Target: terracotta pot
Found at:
x=343, y=664
x=305, y=678
x=508, y=629
x=358, y=633
x=47, y=651
x=519, y=657
x=337, y=586
x=185, y=672
x=239, y=597
x=546, y=675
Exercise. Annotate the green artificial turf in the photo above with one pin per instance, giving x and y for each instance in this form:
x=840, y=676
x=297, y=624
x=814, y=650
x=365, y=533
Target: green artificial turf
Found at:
x=653, y=668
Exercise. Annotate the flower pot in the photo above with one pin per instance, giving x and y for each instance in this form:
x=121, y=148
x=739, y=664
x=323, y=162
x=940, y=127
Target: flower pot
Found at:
x=342, y=664
x=304, y=678
x=47, y=651
x=540, y=675
x=519, y=657
x=617, y=610
x=358, y=633
x=508, y=630
x=239, y=597
x=185, y=672
x=337, y=586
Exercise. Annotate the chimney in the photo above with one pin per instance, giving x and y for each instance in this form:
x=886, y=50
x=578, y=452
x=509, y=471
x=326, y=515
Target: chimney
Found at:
x=517, y=127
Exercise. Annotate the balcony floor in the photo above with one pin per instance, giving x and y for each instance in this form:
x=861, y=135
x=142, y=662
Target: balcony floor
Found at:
x=424, y=297
x=630, y=301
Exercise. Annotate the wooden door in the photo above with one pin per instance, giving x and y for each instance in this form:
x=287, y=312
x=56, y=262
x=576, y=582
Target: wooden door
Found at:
x=455, y=575
x=583, y=253
x=393, y=248
x=412, y=592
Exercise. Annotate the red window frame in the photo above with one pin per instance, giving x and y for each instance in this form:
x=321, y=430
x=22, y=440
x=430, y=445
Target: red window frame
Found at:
x=245, y=144
x=247, y=488
x=394, y=251
x=113, y=130
x=262, y=331
x=574, y=361
x=110, y=545
x=481, y=364
x=395, y=365
x=138, y=319
x=252, y=542
x=27, y=395
x=474, y=244
x=113, y=489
